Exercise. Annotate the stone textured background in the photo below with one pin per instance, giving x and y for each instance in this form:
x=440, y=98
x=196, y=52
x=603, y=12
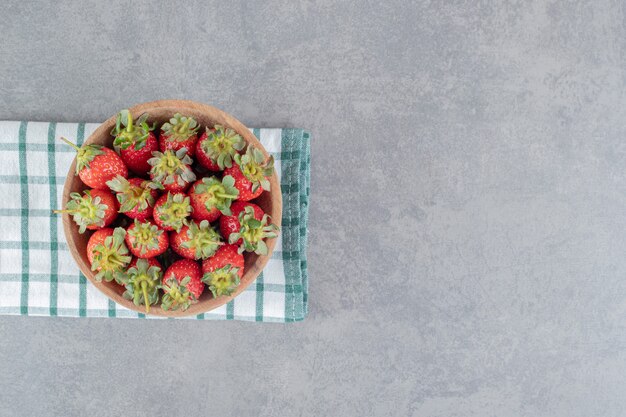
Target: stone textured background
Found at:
x=467, y=215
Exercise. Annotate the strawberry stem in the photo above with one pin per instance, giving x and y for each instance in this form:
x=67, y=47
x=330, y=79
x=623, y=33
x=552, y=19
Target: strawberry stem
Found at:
x=64, y=211
x=144, y=288
x=231, y=196
x=70, y=143
x=129, y=123
x=116, y=262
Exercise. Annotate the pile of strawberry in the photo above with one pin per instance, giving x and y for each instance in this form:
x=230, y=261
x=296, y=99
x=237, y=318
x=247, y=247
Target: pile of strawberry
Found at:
x=193, y=220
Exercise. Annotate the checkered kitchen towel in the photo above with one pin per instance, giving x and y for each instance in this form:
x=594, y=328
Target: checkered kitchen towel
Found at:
x=38, y=275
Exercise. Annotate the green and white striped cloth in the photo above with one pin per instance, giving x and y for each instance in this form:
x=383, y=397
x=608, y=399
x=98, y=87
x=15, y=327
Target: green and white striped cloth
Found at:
x=38, y=276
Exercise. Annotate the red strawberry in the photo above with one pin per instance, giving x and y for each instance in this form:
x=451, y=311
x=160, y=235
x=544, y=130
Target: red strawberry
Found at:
x=196, y=241
x=171, y=211
x=142, y=281
x=251, y=173
x=95, y=165
x=107, y=254
x=135, y=195
x=230, y=224
x=135, y=142
x=94, y=210
x=180, y=132
x=216, y=148
x=223, y=270
x=182, y=285
x=211, y=197
x=137, y=159
x=248, y=228
x=172, y=169
x=145, y=239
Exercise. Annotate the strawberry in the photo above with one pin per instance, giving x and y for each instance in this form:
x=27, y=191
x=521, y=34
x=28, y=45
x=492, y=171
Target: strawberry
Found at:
x=107, y=254
x=136, y=196
x=172, y=169
x=223, y=271
x=182, y=285
x=251, y=173
x=145, y=239
x=95, y=165
x=180, y=132
x=93, y=210
x=171, y=211
x=248, y=227
x=142, y=281
x=216, y=148
x=196, y=241
x=211, y=197
x=134, y=141
x=230, y=224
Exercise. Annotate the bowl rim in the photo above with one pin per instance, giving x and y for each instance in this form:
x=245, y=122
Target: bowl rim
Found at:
x=250, y=275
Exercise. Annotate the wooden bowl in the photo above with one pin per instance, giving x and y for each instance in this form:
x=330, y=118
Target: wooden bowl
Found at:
x=159, y=112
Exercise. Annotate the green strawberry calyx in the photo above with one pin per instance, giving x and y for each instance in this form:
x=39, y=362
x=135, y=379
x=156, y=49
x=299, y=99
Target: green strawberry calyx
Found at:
x=145, y=236
x=254, y=167
x=128, y=133
x=85, y=210
x=176, y=295
x=171, y=167
x=252, y=232
x=111, y=257
x=84, y=154
x=142, y=284
x=203, y=239
x=174, y=211
x=180, y=128
x=222, y=281
x=221, y=145
x=219, y=194
x=131, y=196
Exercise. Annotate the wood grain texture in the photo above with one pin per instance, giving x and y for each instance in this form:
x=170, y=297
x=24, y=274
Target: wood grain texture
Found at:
x=160, y=111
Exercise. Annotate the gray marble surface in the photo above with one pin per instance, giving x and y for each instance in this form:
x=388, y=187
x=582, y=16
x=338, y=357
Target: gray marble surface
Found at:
x=467, y=215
